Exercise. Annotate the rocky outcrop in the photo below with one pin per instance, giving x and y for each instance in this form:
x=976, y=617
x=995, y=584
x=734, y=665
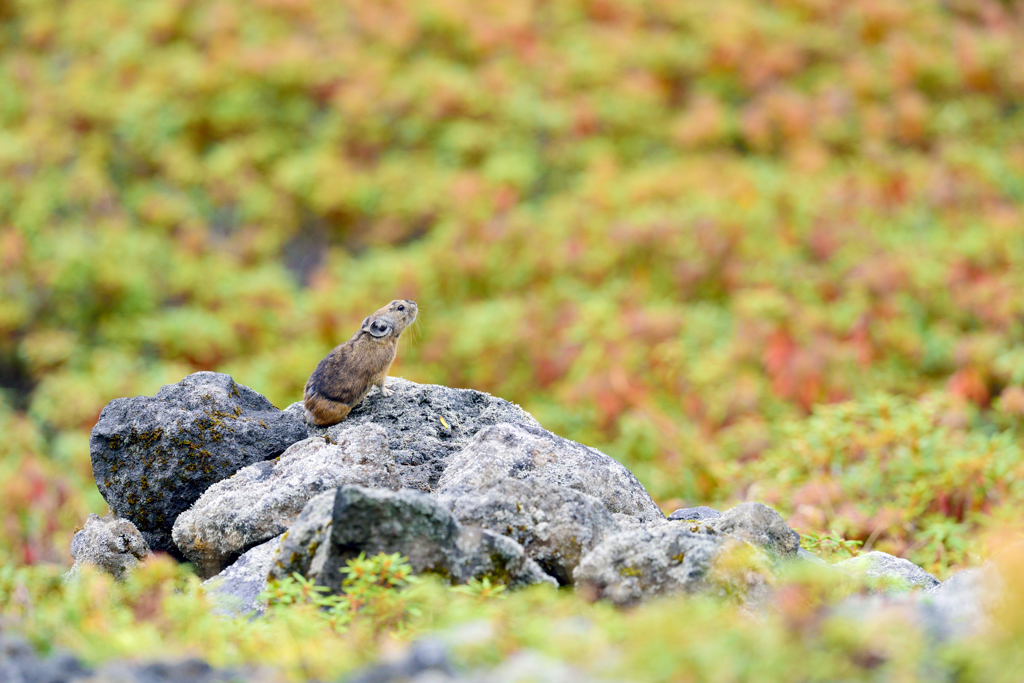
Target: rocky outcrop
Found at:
x=252, y=492
x=261, y=501
x=555, y=525
x=407, y=522
x=511, y=451
x=153, y=456
x=426, y=424
x=108, y=543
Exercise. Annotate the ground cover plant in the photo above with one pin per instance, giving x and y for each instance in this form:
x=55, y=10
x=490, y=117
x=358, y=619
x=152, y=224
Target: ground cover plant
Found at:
x=766, y=251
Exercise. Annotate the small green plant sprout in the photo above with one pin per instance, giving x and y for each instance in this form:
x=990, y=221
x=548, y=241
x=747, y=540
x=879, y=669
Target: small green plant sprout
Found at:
x=482, y=589
x=830, y=544
x=370, y=587
x=293, y=590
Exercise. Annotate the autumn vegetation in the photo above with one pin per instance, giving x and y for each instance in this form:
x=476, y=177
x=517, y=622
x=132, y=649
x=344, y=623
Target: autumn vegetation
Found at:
x=767, y=251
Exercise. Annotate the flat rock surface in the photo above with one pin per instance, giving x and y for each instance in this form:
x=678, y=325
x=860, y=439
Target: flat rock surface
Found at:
x=426, y=424
x=515, y=451
x=153, y=456
x=262, y=500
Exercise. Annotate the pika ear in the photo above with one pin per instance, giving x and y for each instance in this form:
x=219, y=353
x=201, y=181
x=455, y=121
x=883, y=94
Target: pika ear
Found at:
x=364, y=327
x=379, y=328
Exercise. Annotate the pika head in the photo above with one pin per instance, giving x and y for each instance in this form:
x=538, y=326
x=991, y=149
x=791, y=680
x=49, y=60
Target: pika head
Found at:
x=390, y=321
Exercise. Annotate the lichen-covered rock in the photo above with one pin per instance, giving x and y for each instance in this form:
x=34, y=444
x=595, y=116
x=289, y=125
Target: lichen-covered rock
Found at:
x=425, y=424
x=109, y=543
x=408, y=522
x=262, y=500
x=895, y=573
x=235, y=591
x=515, y=451
x=555, y=525
x=153, y=456
x=635, y=565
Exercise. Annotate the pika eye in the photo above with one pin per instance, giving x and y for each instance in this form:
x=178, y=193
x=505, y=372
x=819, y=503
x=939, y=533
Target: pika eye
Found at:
x=401, y=308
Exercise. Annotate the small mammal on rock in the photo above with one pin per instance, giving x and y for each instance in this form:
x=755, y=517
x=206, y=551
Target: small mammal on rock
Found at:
x=346, y=375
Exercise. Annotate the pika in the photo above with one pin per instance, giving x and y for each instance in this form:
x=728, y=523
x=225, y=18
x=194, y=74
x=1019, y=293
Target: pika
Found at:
x=350, y=370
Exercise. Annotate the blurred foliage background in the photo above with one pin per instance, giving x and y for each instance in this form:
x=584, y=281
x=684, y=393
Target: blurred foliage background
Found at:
x=761, y=251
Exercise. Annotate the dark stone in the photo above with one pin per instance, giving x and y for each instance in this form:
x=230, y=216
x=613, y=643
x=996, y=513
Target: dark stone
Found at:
x=421, y=657
x=152, y=457
x=20, y=664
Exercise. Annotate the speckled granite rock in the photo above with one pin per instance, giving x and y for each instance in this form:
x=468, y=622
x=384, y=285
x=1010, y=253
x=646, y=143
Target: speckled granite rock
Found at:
x=555, y=525
x=425, y=424
x=261, y=501
x=511, y=451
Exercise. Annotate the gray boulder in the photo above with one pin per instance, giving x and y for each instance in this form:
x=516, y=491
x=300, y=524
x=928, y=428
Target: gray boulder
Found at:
x=425, y=424
x=894, y=573
x=556, y=526
x=636, y=565
x=235, y=591
x=516, y=451
x=408, y=522
x=760, y=525
x=262, y=500
x=109, y=543
x=153, y=456
x=684, y=556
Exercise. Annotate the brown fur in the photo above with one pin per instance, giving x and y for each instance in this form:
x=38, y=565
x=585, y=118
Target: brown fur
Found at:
x=347, y=374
